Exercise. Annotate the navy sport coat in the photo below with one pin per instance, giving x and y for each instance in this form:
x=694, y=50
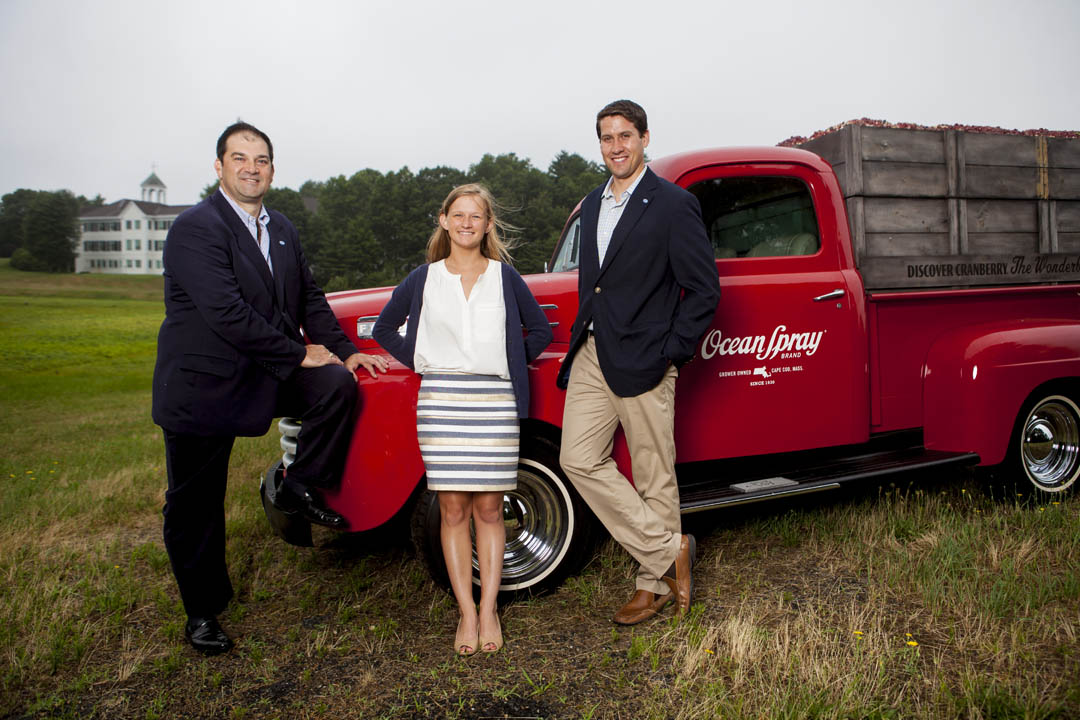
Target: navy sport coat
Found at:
x=232, y=330
x=656, y=293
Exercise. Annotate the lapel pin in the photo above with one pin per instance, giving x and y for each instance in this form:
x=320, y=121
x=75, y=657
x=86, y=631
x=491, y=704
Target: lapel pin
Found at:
x=281, y=242
x=645, y=201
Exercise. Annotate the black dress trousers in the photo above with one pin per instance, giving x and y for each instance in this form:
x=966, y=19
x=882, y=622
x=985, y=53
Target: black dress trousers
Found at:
x=194, y=528
x=324, y=398
x=198, y=468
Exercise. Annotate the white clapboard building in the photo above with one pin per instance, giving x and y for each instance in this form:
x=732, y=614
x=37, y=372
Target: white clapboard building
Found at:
x=127, y=236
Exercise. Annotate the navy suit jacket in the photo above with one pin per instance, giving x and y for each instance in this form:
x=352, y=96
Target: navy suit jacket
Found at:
x=656, y=293
x=232, y=330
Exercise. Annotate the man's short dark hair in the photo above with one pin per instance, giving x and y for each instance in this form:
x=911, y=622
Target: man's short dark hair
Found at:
x=238, y=127
x=627, y=109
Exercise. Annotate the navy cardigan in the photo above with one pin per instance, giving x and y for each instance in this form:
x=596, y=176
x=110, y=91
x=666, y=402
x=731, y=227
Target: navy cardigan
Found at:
x=521, y=309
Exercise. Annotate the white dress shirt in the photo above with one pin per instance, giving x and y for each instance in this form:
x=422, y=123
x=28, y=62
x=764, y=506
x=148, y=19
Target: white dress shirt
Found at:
x=259, y=227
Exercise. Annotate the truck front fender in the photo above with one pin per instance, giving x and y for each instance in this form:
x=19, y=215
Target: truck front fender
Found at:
x=384, y=465
x=545, y=399
x=976, y=380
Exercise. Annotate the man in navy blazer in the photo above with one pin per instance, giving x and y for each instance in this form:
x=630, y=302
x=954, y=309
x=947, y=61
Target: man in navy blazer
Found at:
x=647, y=291
x=231, y=356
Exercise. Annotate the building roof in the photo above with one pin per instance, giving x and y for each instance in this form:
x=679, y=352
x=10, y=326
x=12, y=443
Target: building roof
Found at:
x=113, y=209
x=151, y=208
x=152, y=181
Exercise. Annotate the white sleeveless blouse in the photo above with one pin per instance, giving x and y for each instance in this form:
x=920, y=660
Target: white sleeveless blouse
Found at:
x=459, y=335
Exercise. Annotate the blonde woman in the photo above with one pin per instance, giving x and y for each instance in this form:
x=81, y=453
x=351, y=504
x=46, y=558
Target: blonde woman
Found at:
x=465, y=311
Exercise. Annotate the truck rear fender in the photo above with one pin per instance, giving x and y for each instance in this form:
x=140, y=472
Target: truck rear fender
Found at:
x=976, y=380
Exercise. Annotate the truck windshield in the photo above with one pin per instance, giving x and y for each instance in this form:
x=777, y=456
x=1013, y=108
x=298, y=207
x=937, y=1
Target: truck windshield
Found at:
x=567, y=259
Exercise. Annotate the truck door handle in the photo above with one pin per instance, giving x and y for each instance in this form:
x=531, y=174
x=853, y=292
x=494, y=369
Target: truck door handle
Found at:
x=830, y=295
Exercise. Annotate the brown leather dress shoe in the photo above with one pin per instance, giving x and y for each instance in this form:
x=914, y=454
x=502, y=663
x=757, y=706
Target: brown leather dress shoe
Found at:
x=680, y=576
x=642, y=606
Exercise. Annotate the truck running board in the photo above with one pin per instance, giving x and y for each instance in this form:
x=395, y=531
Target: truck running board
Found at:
x=706, y=495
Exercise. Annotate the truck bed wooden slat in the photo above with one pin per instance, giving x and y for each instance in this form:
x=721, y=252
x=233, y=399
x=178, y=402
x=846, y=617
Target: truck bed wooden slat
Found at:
x=923, y=198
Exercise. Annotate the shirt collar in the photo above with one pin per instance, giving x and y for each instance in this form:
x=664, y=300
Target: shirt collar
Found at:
x=628, y=191
x=248, y=218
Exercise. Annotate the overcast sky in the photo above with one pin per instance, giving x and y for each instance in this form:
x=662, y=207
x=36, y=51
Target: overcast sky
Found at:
x=96, y=93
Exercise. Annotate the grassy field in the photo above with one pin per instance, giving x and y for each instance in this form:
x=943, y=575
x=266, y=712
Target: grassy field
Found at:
x=932, y=599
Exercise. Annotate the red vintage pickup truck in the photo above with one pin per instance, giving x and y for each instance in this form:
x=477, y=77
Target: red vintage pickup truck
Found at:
x=917, y=335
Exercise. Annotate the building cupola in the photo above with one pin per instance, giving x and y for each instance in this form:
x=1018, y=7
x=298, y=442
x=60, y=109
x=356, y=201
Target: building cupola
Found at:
x=153, y=190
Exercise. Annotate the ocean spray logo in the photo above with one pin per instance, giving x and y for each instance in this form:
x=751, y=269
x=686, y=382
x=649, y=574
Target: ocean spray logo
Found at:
x=781, y=341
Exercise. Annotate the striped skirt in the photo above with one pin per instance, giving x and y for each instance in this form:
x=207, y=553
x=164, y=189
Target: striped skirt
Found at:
x=467, y=426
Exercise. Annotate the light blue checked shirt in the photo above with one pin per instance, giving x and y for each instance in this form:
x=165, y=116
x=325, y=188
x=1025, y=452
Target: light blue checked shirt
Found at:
x=254, y=225
x=610, y=212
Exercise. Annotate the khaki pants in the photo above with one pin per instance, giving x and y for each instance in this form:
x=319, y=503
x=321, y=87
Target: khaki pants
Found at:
x=643, y=517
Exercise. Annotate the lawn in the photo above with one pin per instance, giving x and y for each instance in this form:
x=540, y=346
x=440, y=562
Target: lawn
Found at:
x=933, y=598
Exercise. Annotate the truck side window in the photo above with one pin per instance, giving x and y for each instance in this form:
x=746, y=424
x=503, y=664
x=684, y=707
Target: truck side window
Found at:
x=758, y=216
x=567, y=259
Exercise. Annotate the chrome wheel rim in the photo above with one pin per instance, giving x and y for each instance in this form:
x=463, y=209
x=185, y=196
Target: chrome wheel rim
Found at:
x=539, y=524
x=1050, y=444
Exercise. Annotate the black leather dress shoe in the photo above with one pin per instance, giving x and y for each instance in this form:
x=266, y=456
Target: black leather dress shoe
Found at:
x=206, y=636
x=308, y=505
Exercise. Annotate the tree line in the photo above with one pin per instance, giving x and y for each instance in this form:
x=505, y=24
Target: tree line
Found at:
x=366, y=230
x=39, y=229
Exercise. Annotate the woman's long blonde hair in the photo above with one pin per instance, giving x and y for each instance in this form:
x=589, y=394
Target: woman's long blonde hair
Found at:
x=492, y=246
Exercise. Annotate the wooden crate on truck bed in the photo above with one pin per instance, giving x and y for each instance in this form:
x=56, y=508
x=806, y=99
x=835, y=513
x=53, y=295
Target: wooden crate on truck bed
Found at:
x=942, y=208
